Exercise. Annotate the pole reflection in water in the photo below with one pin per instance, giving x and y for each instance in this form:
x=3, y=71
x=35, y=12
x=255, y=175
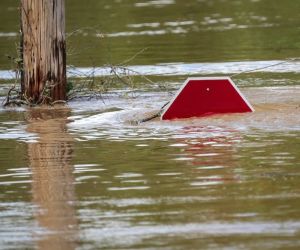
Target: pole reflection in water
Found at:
x=53, y=181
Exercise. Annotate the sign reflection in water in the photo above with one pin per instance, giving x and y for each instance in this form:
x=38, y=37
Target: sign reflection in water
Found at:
x=209, y=154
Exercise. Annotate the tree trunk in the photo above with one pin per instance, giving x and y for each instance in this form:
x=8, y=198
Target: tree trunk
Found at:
x=43, y=50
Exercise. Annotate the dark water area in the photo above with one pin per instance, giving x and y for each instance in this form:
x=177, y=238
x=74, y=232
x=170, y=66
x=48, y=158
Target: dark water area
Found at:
x=87, y=176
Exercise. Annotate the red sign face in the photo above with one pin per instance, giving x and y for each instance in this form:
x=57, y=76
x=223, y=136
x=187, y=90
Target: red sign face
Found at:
x=205, y=96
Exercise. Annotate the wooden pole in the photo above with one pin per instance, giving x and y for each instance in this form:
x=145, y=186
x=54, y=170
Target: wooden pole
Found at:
x=43, y=50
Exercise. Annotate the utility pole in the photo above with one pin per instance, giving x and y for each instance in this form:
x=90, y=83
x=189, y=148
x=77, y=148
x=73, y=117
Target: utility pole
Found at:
x=43, y=51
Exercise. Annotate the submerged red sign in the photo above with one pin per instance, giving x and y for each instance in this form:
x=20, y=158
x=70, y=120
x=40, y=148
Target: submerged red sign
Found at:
x=205, y=96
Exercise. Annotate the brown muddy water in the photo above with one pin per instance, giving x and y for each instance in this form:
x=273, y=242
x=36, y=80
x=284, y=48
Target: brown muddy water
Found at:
x=87, y=176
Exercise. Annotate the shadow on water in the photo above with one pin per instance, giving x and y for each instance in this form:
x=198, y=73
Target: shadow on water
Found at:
x=53, y=188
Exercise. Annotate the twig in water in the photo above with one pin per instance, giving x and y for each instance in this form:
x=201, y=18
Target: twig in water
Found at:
x=265, y=67
x=158, y=114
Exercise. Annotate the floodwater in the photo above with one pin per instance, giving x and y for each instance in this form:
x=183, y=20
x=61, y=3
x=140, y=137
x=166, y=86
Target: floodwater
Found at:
x=88, y=176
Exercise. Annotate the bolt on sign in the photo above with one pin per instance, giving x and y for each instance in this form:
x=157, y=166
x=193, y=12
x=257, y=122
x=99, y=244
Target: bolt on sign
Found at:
x=204, y=96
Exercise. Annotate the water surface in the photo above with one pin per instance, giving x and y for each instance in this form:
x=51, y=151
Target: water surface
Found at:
x=89, y=176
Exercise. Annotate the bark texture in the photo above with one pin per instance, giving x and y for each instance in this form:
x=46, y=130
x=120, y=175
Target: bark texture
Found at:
x=44, y=50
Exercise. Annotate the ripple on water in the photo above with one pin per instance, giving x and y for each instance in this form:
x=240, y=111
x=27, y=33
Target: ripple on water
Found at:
x=86, y=168
x=169, y=174
x=16, y=176
x=183, y=158
x=8, y=34
x=17, y=225
x=127, y=188
x=155, y=3
x=16, y=130
x=142, y=145
x=210, y=167
x=186, y=69
x=129, y=175
x=114, y=235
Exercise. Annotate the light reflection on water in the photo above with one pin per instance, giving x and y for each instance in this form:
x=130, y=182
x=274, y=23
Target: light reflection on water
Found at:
x=183, y=69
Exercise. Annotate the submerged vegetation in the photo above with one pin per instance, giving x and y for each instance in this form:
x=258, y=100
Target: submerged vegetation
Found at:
x=85, y=86
x=79, y=86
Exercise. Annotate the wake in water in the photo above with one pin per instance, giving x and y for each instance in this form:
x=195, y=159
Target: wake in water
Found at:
x=115, y=117
x=277, y=109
